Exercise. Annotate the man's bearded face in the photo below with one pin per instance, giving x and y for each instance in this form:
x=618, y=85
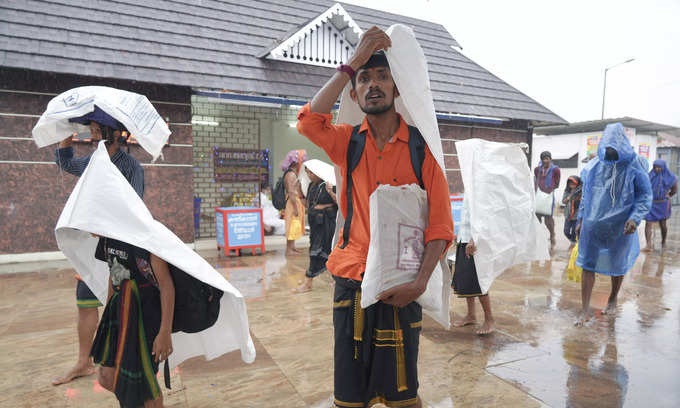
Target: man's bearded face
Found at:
x=374, y=90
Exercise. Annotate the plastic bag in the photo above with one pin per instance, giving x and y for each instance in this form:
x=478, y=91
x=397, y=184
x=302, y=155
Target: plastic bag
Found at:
x=399, y=216
x=574, y=272
x=131, y=109
x=544, y=203
x=499, y=192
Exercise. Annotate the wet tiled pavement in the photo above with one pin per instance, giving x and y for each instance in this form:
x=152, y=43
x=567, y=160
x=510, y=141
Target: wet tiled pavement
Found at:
x=535, y=358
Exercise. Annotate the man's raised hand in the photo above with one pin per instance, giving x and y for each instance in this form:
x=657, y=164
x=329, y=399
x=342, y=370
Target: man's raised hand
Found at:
x=371, y=41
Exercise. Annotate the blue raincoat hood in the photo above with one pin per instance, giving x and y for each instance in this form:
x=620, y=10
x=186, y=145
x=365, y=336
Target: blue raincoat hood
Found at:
x=615, y=137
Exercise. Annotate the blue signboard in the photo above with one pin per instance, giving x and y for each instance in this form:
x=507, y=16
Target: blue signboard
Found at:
x=244, y=229
x=219, y=220
x=456, y=211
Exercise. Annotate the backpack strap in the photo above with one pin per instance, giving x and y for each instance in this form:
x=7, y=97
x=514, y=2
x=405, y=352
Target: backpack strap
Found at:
x=416, y=147
x=166, y=373
x=357, y=142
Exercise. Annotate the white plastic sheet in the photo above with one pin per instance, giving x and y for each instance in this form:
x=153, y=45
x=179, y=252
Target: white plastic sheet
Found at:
x=104, y=203
x=131, y=109
x=499, y=189
x=322, y=170
x=544, y=203
x=271, y=216
x=399, y=217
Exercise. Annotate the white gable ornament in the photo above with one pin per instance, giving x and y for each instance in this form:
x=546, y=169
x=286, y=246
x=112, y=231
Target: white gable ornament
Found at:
x=326, y=41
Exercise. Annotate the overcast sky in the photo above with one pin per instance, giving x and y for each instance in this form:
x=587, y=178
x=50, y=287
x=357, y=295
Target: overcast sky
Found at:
x=556, y=51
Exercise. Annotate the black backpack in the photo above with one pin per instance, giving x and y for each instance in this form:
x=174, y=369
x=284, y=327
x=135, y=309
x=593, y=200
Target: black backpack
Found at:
x=279, y=193
x=197, y=306
x=357, y=142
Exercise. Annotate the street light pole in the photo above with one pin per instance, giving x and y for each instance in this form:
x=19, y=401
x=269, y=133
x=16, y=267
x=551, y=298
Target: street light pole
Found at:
x=604, y=88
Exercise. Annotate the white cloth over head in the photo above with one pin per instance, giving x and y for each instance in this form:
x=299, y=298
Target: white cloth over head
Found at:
x=499, y=193
x=131, y=109
x=104, y=203
x=322, y=170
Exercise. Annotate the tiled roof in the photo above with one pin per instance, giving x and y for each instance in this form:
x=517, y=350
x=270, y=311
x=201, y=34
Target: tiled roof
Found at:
x=218, y=45
x=641, y=126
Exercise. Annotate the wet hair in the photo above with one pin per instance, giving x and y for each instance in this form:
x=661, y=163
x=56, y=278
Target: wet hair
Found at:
x=546, y=154
x=378, y=59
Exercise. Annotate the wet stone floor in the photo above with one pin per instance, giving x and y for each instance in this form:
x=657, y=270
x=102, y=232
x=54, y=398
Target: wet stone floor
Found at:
x=535, y=358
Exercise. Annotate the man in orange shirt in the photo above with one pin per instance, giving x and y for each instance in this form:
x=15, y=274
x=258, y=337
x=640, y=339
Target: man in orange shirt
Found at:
x=376, y=349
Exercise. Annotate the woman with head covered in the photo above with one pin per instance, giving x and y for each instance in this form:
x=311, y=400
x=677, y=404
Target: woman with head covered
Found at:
x=322, y=207
x=616, y=196
x=664, y=186
x=294, y=212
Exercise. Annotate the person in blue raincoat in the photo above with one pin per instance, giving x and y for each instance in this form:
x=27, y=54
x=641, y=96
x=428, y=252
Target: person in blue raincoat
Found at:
x=664, y=186
x=616, y=196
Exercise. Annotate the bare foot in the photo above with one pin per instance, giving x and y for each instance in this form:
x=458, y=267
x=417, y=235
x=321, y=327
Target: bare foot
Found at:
x=303, y=288
x=291, y=252
x=488, y=327
x=647, y=249
x=467, y=320
x=582, y=319
x=75, y=372
x=610, y=309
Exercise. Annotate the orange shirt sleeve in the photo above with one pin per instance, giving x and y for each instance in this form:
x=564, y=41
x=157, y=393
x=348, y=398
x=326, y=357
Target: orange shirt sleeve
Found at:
x=319, y=129
x=440, y=223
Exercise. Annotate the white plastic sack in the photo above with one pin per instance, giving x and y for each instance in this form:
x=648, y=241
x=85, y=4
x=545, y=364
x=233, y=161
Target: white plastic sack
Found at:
x=322, y=170
x=104, y=203
x=499, y=186
x=544, y=203
x=399, y=217
x=131, y=109
x=271, y=216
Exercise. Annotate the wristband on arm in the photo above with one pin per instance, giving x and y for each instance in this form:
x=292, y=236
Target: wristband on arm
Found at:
x=347, y=70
